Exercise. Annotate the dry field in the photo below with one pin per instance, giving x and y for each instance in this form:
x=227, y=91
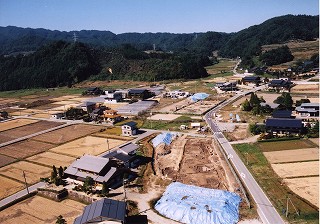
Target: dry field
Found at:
x=315, y=141
x=15, y=123
x=87, y=145
x=26, y=130
x=35, y=210
x=66, y=102
x=198, y=108
x=298, y=169
x=4, y=160
x=50, y=158
x=67, y=134
x=306, y=88
x=41, y=115
x=9, y=187
x=285, y=145
x=25, y=148
x=305, y=187
x=33, y=172
x=294, y=155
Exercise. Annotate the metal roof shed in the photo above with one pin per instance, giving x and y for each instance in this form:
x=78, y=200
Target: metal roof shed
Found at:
x=103, y=210
x=91, y=163
x=282, y=114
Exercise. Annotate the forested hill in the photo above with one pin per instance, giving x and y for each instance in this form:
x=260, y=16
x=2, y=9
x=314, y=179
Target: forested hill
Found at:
x=243, y=43
x=16, y=39
x=64, y=64
x=248, y=42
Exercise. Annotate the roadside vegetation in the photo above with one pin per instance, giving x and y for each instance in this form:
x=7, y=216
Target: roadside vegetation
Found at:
x=271, y=183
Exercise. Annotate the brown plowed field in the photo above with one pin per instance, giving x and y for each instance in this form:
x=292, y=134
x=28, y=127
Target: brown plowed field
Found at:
x=25, y=148
x=15, y=123
x=33, y=172
x=87, y=145
x=38, y=210
x=294, y=155
x=26, y=130
x=50, y=158
x=9, y=187
x=4, y=160
x=296, y=169
x=67, y=134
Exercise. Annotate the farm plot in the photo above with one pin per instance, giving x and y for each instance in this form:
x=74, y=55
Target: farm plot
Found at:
x=294, y=155
x=164, y=117
x=4, y=160
x=306, y=187
x=67, y=134
x=87, y=145
x=50, y=158
x=35, y=210
x=25, y=148
x=15, y=123
x=296, y=169
x=9, y=187
x=33, y=172
x=26, y=130
x=285, y=145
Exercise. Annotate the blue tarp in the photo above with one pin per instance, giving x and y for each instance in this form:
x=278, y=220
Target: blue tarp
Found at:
x=198, y=96
x=163, y=138
x=194, y=205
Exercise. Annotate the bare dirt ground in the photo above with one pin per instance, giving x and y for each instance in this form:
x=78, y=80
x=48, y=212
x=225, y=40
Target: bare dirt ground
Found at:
x=4, y=160
x=315, y=141
x=26, y=130
x=15, y=123
x=198, y=108
x=50, y=158
x=87, y=145
x=292, y=155
x=239, y=133
x=306, y=187
x=25, y=148
x=35, y=210
x=170, y=108
x=8, y=187
x=196, y=161
x=67, y=134
x=296, y=169
x=33, y=172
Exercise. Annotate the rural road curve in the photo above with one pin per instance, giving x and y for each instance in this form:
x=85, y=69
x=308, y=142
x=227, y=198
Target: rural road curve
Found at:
x=266, y=211
x=20, y=194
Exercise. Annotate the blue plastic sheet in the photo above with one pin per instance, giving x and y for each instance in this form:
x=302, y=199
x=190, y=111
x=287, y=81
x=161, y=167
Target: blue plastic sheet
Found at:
x=194, y=205
x=163, y=138
x=198, y=96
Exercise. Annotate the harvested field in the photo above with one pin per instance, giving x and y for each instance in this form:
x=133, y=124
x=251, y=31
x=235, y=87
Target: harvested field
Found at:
x=87, y=145
x=294, y=155
x=296, y=169
x=306, y=187
x=9, y=187
x=41, y=115
x=306, y=88
x=50, y=158
x=25, y=148
x=4, y=160
x=15, y=123
x=35, y=210
x=67, y=102
x=285, y=145
x=198, y=108
x=27, y=130
x=67, y=134
x=33, y=172
x=315, y=141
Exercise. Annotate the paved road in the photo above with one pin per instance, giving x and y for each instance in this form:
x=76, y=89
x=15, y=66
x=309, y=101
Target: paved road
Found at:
x=266, y=211
x=20, y=194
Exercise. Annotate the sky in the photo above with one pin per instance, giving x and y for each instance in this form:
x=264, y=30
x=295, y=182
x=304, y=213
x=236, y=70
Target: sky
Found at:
x=174, y=16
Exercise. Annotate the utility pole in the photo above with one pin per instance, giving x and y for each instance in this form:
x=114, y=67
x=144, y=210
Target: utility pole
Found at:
x=25, y=180
x=108, y=144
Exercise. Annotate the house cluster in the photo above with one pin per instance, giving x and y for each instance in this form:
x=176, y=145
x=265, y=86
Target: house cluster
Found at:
x=108, y=168
x=227, y=86
x=251, y=80
x=280, y=85
x=288, y=122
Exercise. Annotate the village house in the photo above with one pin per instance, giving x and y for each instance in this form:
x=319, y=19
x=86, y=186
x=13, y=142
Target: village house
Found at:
x=59, y=115
x=280, y=85
x=129, y=128
x=284, y=126
x=139, y=94
x=88, y=106
x=112, y=96
x=251, y=79
x=126, y=154
x=111, y=116
x=308, y=110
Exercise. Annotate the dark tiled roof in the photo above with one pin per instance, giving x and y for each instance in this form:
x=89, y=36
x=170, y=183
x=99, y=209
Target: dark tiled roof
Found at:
x=104, y=209
x=251, y=78
x=137, y=91
x=131, y=124
x=284, y=123
x=281, y=114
